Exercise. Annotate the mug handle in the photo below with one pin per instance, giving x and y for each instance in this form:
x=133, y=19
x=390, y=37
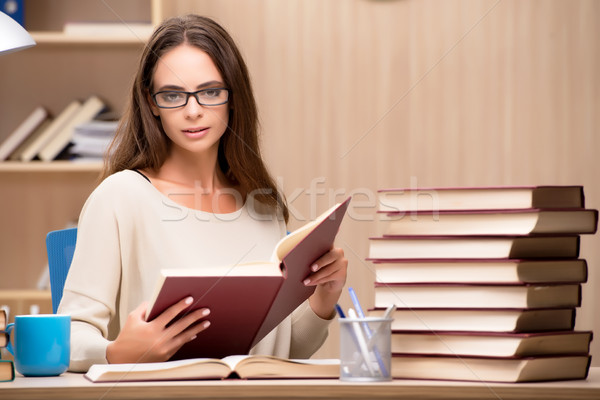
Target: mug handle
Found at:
x=8, y=330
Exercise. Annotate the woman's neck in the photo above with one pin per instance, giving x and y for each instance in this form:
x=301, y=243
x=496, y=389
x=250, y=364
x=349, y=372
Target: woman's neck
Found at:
x=197, y=183
x=193, y=172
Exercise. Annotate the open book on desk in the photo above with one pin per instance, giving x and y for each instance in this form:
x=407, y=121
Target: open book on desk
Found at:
x=248, y=300
x=245, y=367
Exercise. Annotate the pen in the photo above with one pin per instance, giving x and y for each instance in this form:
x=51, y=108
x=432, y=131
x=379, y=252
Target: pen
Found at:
x=362, y=343
x=353, y=334
x=388, y=312
x=361, y=314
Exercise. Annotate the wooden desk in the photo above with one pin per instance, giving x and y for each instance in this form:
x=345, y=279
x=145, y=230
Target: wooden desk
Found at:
x=75, y=386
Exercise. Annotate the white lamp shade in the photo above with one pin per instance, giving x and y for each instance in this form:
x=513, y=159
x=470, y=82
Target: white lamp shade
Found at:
x=13, y=37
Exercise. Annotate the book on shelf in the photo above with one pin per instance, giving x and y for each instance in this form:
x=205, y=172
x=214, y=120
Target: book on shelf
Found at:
x=492, y=222
x=24, y=130
x=481, y=198
x=16, y=154
x=235, y=366
x=7, y=371
x=53, y=128
x=574, y=270
x=62, y=137
x=491, y=344
x=248, y=300
x=491, y=369
x=477, y=295
x=91, y=147
x=473, y=247
x=92, y=139
x=481, y=320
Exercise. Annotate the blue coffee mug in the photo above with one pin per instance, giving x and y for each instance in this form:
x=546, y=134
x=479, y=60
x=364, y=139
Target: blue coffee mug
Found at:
x=42, y=344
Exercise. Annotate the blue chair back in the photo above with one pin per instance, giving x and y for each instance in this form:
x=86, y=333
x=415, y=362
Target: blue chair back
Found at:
x=60, y=246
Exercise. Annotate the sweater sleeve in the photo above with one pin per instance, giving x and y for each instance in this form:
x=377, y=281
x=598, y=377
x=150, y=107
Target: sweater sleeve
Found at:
x=309, y=331
x=92, y=285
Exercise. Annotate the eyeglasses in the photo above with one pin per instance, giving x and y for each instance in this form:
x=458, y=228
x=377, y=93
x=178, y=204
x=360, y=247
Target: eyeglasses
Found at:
x=204, y=97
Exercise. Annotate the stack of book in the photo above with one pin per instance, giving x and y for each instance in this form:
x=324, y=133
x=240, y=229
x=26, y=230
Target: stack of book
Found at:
x=486, y=282
x=43, y=137
x=92, y=139
x=7, y=368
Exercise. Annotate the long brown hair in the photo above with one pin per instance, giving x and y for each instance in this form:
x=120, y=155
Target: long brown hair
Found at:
x=140, y=141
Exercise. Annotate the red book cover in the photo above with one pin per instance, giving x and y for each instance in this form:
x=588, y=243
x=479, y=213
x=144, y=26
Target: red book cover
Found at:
x=473, y=247
x=480, y=295
x=484, y=198
x=491, y=369
x=491, y=344
x=535, y=270
x=248, y=301
x=491, y=222
x=481, y=319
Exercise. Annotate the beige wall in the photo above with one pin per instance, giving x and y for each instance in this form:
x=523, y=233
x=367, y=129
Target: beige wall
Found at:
x=370, y=94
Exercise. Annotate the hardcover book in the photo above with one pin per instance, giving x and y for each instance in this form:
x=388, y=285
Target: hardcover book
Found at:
x=7, y=371
x=491, y=344
x=247, y=301
x=478, y=296
x=85, y=113
x=473, y=247
x=22, y=132
x=481, y=271
x=16, y=154
x=481, y=320
x=492, y=222
x=481, y=198
x=491, y=369
x=53, y=129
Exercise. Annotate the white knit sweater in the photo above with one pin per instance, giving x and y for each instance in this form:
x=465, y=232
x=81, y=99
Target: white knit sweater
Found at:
x=128, y=231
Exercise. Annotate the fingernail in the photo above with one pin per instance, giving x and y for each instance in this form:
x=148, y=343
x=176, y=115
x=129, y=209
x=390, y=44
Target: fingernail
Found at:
x=314, y=267
x=189, y=300
x=195, y=336
x=306, y=281
x=206, y=312
x=206, y=324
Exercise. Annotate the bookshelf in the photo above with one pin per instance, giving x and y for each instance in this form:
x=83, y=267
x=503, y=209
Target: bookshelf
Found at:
x=56, y=38
x=42, y=196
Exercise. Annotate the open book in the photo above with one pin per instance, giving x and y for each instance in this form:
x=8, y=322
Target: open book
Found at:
x=248, y=300
x=245, y=367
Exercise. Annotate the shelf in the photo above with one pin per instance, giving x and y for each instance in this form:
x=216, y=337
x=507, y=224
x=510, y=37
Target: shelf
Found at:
x=54, y=166
x=61, y=38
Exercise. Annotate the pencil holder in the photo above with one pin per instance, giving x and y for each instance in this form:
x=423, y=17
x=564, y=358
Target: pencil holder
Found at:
x=365, y=349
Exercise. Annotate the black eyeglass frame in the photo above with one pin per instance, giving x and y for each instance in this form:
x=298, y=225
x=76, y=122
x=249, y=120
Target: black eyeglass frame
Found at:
x=195, y=94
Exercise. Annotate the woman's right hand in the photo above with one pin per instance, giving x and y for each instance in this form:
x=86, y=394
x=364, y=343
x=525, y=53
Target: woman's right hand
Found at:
x=156, y=340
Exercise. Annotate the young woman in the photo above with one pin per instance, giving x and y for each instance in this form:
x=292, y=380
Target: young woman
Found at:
x=183, y=186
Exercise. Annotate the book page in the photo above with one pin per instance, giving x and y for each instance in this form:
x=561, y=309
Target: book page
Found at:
x=287, y=243
x=180, y=369
x=264, y=366
x=233, y=361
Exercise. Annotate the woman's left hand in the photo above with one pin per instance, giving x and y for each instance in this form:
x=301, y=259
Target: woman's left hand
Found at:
x=329, y=276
